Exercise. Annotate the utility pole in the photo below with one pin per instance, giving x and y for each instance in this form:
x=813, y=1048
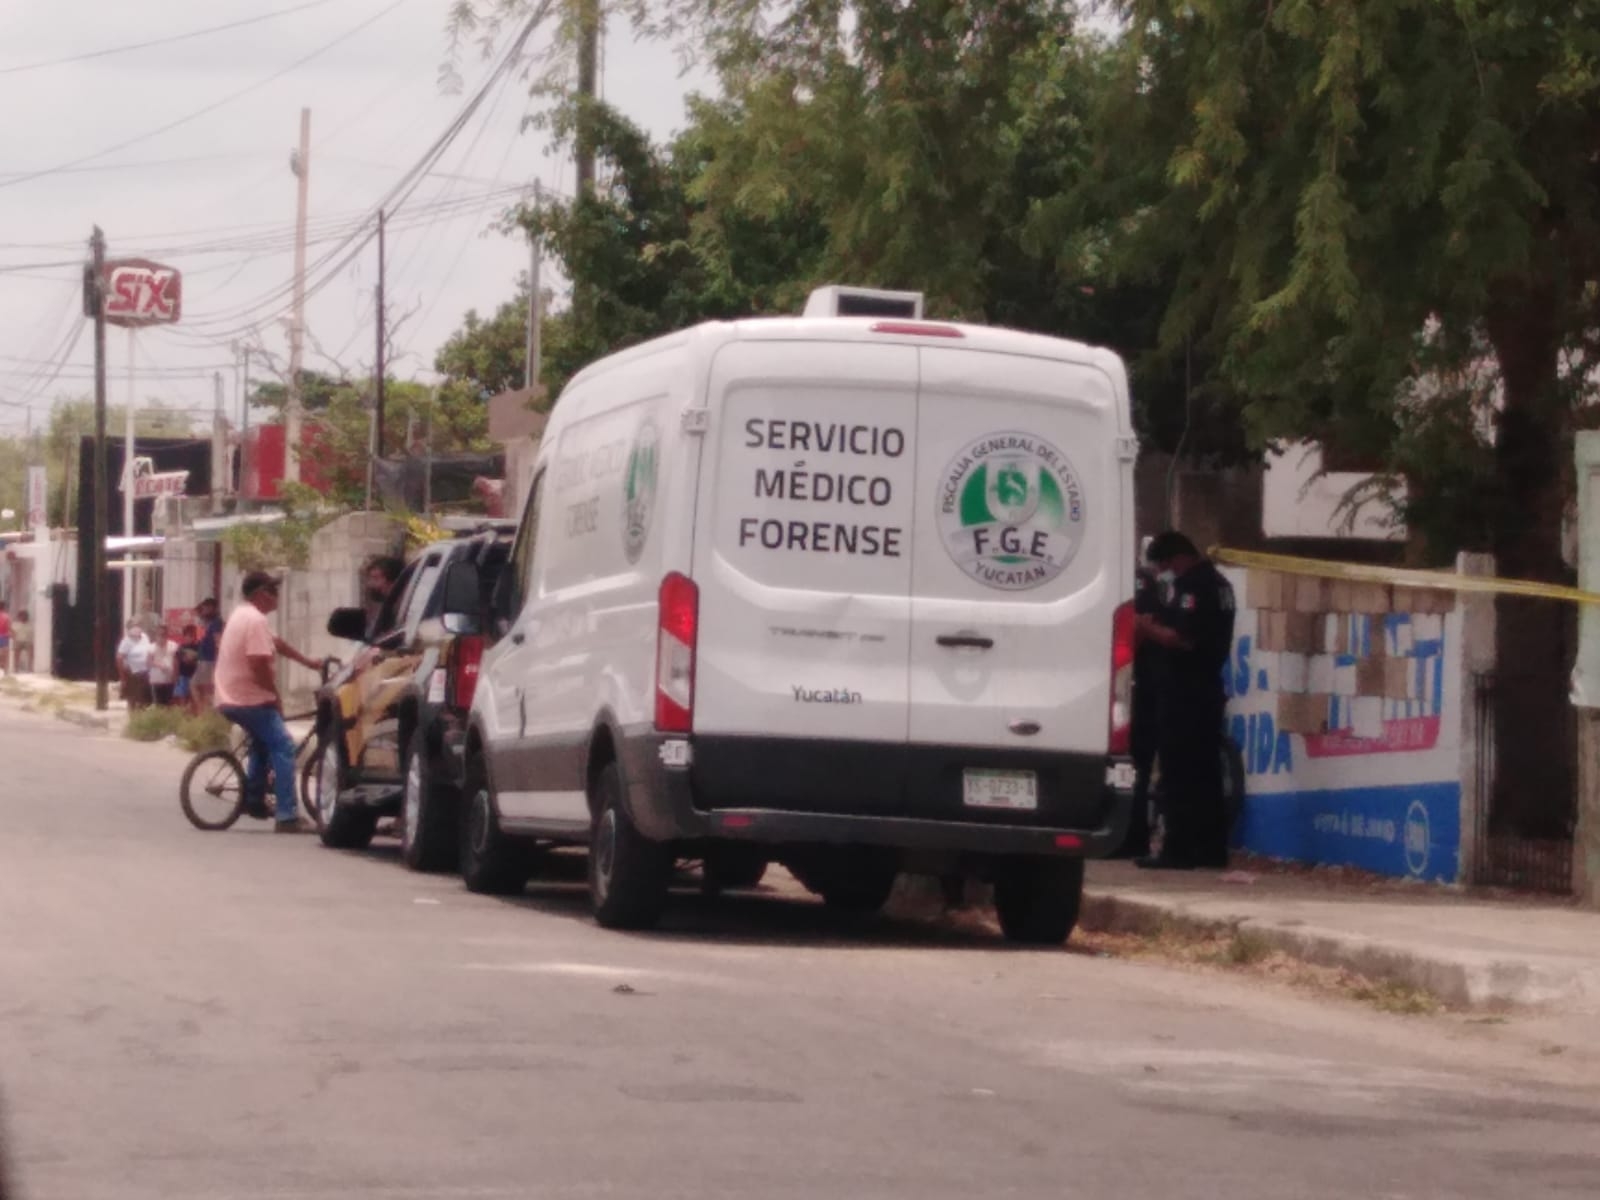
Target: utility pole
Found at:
x=530, y=377
x=219, y=445
x=129, y=445
x=99, y=596
x=301, y=165
x=588, y=76
x=427, y=456
x=379, y=368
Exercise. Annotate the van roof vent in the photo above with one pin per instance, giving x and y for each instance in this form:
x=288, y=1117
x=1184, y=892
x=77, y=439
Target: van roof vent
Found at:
x=839, y=301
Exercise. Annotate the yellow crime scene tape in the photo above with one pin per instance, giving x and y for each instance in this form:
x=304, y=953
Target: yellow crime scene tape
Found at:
x=1406, y=577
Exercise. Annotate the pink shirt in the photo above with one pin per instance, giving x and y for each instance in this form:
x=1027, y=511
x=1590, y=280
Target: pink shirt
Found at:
x=247, y=635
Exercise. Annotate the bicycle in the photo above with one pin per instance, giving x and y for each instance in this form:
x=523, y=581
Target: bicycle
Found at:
x=212, y=792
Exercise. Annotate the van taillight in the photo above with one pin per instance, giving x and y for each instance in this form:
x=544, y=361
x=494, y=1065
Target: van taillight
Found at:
x=675, y=645
x=461, y=680
x=1122, y=650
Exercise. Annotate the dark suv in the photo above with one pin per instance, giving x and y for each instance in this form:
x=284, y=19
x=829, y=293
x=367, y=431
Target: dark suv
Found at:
x=391, y=723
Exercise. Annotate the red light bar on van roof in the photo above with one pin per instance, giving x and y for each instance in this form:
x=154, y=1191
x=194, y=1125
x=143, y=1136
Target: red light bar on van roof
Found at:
x=917, y=329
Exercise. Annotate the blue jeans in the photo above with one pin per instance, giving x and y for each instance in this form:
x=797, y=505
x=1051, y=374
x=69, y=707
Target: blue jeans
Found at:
x=269, y=741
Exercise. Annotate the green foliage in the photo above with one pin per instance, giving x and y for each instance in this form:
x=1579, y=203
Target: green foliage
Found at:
x=208, y=731
x=285, y=543
x=153, y=724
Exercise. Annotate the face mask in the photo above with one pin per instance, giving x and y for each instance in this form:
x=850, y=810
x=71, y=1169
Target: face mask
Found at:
x=1167, y=578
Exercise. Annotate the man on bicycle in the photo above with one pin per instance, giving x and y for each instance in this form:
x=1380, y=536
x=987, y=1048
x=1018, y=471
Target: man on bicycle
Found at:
x=247, y=694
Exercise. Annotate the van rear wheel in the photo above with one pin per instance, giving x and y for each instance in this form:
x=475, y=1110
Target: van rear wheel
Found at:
x=1037, y=899
x=628, y=873
x=492, y=864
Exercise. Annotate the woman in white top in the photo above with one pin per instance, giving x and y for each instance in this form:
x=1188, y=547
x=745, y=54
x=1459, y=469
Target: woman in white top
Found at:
x=163, y=667
x=133, y=663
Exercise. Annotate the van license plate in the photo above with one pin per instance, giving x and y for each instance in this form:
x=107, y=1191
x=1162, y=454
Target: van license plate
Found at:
x=1000, y=789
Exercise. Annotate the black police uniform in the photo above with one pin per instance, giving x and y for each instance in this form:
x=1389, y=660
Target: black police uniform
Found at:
x=1201, y=611
x=1148, y=666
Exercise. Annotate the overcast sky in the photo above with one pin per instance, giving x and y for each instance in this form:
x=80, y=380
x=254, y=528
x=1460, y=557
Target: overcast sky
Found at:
x=222, y=184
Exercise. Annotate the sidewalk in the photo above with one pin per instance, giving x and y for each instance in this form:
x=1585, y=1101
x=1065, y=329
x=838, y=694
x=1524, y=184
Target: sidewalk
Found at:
x=1470, y=950
x=68, y=700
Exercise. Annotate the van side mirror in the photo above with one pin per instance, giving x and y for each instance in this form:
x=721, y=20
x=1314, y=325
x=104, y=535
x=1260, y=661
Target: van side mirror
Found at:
x=461, y=608
x=348, y=623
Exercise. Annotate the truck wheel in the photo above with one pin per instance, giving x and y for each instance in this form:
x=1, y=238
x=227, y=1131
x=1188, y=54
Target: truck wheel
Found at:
x=1037, y=899
x=492, y=864
x=628, y=873
x=344, y=826
x=730, y=868
x=427, y=813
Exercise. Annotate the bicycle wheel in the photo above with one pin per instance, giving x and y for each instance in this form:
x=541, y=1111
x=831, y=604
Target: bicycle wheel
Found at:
x=212, y=791
x=311, y=782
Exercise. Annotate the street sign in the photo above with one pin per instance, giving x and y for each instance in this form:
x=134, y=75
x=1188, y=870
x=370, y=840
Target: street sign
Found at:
x=148, y=483
x=138, y=292
x=38, y=498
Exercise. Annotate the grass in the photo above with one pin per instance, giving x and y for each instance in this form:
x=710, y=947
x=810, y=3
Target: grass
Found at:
x=153, y=724
x=209, y=731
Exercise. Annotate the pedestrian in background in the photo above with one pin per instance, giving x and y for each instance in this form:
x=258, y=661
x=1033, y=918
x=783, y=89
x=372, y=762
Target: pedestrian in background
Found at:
x=163, y=667
x=1147, y=690
x=204, y=684
x=188, y=662
x=5, y=641
x=133, y=666
x=22, y=643
x=1194, y=630
x=381, y=576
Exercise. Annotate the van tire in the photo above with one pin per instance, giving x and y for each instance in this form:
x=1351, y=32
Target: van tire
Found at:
x=1037, y=899
x=492, y=864
x=428, y=822
x=628, y=873
x=344, y=826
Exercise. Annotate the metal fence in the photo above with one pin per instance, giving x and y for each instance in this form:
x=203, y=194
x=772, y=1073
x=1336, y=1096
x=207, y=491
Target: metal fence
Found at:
x=1505, y=858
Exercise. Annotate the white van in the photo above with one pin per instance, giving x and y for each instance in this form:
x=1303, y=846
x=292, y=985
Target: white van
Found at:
x=846, y=593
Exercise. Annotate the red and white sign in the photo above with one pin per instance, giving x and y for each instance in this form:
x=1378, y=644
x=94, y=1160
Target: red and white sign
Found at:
x=148, y=483
x=136, y=291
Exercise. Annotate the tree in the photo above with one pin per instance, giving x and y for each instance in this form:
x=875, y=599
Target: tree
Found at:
x=489, y=356
x=1358, y=191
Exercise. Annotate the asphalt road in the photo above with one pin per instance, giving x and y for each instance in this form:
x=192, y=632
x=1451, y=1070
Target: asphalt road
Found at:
x=187, y=1015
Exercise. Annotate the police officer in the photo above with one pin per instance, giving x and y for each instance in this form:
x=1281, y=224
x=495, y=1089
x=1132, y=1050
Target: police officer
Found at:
x=1194, y=630
x=1148, y=663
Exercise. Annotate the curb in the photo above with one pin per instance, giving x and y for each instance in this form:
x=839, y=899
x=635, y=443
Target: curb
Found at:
x=88, y=720
x=1467, y=980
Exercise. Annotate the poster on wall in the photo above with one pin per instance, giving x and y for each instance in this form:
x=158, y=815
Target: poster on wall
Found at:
x=1345, y=701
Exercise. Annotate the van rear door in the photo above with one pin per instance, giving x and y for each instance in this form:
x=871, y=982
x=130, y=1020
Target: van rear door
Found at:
x=1020, y=509
x=803, y=560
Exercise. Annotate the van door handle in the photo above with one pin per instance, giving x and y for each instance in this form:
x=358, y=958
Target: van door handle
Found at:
x=975, y=641
x=519, y=637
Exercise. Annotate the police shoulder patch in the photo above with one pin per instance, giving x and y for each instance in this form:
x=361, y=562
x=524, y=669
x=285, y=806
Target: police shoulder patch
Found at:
x=1187, y=602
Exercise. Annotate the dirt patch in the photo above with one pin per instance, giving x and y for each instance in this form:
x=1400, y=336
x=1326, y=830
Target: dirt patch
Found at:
x=1246, y=952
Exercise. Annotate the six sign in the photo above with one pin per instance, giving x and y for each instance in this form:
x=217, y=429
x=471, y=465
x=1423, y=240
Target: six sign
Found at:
x=137, y=292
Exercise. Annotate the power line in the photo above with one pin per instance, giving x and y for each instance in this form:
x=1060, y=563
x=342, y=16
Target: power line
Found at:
x=235, y=320
x=164, y=41
x=210, y=108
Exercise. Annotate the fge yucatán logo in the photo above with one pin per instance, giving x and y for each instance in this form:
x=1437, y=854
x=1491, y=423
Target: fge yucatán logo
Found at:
x=1011, y=511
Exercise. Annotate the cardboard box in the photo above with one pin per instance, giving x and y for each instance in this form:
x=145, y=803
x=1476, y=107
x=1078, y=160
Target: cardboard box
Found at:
x=1399, y=676
x=1265, y=670
x=1319, y=673
x=1371, y=598
x=1270, y=631
x=1300, y=632
x=1310, y=594
x=1344, y=675
x=1331, y=632
x=1372, y=677
x=1264, y=589
x=1306, y=714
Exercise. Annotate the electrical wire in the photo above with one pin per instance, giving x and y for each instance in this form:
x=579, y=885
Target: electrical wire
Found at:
x=170, y=40
x=210, y=108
